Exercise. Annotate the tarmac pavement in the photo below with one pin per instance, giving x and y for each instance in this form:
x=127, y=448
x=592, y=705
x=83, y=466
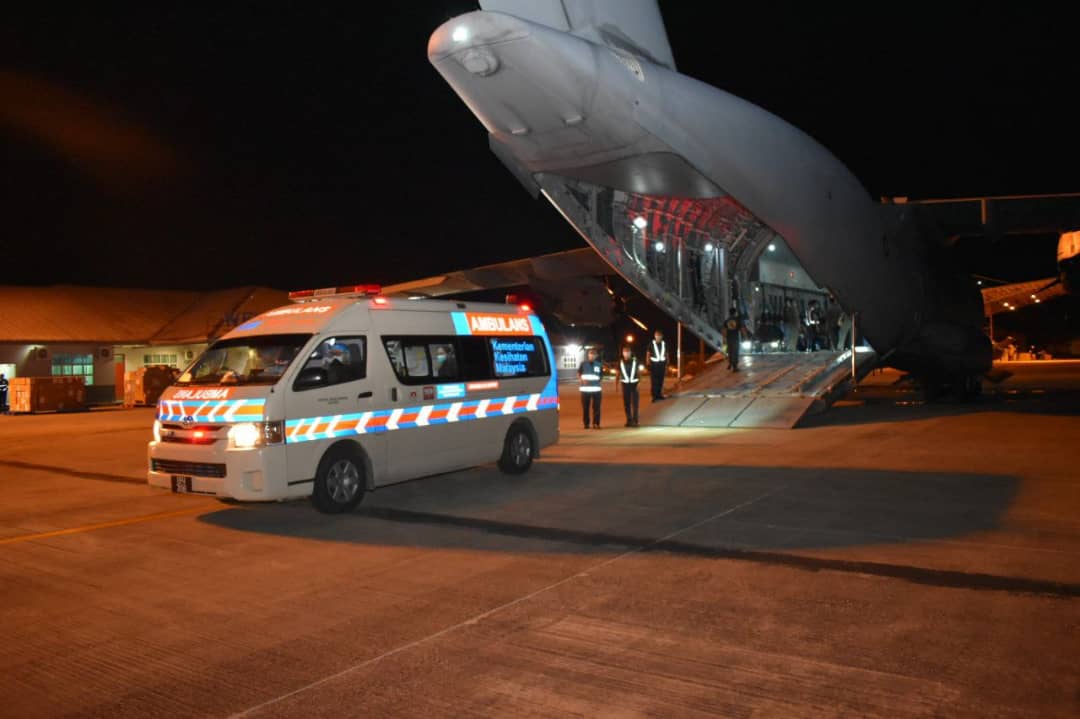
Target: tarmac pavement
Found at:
x=889, y=558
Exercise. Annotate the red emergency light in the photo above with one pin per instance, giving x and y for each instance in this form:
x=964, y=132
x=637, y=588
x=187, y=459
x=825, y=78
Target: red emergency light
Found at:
x=381, y=301
x=525, y=308
x=344, y=291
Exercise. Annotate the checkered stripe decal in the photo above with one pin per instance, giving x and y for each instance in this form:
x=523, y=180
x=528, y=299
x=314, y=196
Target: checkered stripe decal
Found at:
x=212, y=411
x=388, y=420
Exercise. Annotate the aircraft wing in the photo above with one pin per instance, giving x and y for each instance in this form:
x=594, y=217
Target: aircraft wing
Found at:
x=1000, y=216
x=546, y=268
x=1004, y=298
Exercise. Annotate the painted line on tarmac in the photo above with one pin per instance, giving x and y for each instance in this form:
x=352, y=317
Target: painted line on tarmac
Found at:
x=68, y=472
x=494, y=610
x=102, y=525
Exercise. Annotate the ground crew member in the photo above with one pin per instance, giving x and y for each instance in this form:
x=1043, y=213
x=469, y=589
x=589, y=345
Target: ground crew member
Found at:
x=629, y=374
x=791, y=325
x=813, y=327
x=657, y=365
x=589, y=374
x=3, y=393
x=733, y=333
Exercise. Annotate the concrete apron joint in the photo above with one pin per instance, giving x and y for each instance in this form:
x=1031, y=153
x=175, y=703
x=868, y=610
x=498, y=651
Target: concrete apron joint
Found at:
x=494, y=610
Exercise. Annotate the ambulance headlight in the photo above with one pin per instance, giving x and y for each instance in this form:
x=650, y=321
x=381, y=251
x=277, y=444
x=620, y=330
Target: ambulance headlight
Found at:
x=157, y=430
x=244, y=435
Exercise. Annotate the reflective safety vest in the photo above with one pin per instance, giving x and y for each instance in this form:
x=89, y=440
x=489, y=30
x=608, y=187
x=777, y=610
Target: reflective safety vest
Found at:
x=659, y=352
x=629, y=374
x=589, y=375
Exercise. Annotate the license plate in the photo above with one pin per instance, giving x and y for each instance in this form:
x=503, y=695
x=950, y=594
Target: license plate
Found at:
x=181, y=485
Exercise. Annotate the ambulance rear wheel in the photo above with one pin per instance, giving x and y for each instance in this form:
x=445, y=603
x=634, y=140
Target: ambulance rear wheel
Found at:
x=518, y=451
x=339, y=481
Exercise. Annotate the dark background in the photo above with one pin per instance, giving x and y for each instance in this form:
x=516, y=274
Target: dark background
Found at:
x=305, y=147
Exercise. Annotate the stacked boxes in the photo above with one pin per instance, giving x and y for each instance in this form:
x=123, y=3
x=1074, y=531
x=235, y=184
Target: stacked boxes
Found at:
x=143, y=387
x=47, y=394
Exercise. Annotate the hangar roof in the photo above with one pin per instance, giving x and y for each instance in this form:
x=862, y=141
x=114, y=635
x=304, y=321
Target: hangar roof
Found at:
x=70, y=313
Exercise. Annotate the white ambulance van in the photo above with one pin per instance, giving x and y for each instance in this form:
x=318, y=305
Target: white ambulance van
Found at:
x=347, y=390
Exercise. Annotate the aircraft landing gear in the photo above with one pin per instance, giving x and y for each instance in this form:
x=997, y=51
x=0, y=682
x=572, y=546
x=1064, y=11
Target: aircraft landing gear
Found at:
x=965, y=388
x=968, y=388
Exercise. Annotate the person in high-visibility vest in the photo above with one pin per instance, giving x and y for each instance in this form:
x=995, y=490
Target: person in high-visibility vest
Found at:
x=3, y=393
x=629, y=374
x=658, y=365
x=589, y=374
x=734, y=331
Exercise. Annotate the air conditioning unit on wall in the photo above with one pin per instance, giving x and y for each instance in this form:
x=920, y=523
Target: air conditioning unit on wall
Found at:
x=105, y=353
x=41, y=353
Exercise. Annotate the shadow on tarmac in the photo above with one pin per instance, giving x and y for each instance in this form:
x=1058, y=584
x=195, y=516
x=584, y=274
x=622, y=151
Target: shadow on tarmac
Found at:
x=860, y=408
x=756, y=514
x=584, y=507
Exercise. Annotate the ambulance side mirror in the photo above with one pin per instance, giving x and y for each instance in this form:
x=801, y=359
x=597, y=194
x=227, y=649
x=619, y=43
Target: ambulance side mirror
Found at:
x=311, y=378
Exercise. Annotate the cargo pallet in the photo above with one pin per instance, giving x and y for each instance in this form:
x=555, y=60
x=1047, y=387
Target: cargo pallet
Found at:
x=33, y=395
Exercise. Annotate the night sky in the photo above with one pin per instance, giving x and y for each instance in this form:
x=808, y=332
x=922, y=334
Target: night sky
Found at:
x=308, y=147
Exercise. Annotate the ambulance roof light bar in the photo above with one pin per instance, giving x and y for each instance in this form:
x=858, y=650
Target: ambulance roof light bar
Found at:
x=345, y=291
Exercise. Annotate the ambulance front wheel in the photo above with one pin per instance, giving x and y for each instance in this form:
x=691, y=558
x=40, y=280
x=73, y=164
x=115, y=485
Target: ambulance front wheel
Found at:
x=518, y=450
x=339, y=481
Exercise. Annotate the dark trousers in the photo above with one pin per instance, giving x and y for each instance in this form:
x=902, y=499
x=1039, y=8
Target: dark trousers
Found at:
x=590, y=398
x=630, y=401
x=656, y=369
x=733, y=351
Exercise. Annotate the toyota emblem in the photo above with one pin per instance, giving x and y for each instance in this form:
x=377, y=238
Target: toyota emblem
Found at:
x=188, y=420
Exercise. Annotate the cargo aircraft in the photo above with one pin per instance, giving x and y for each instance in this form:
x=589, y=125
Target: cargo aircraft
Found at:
x=684, y=189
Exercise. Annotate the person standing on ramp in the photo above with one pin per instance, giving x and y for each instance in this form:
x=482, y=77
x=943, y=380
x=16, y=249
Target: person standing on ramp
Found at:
x=658, y=365
x=629, y=375
x=734, y=329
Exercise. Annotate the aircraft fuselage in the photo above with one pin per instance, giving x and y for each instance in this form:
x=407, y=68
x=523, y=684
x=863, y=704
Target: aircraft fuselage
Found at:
x=617, y=131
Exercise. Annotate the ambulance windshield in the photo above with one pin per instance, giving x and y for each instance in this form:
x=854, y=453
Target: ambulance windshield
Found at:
x=245, y=360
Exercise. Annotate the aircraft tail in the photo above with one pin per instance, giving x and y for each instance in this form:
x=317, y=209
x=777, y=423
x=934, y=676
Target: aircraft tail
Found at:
x=631, y=26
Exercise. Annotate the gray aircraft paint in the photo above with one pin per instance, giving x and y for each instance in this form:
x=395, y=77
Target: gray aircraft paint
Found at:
x=589, y=99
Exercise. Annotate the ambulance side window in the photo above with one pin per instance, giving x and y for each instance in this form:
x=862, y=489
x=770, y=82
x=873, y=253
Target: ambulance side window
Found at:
x=343, y=358
x=444, y=361
x=409, y=358
x=518, y=357
x=475, y=359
